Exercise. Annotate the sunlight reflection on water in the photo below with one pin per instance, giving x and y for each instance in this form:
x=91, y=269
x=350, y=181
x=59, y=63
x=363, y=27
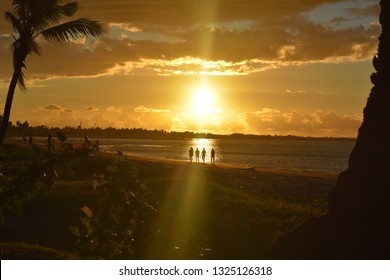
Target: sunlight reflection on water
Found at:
x=206, y=144
x=318, y=156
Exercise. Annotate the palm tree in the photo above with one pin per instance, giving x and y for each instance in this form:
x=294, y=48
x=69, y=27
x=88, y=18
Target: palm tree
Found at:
x=40, y=18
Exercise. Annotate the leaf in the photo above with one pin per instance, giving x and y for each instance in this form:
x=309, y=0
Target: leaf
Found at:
x=73, y=30
x=88, y=212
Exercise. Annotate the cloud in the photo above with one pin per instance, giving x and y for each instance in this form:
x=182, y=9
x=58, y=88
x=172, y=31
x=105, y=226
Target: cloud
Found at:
x=153, y=118
x=212, y=121
x=91, y=109
x=55, y=109
x=371, y=10
x=183, y=13
x=269, y=121
x=167, y=37
x=265, y=121
x=52, y=107
x=142, y=109
x=319, y=123
x=113, y=109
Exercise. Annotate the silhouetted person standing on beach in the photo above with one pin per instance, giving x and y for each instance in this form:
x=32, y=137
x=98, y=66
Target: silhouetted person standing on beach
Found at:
x=191, y=154
x=212, y=156
x=50, y=144
x=203, y=155
x=197, y=155
x=87, y=143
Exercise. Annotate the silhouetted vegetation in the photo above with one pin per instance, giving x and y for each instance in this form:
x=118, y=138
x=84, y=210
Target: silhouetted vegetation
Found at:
x=107, y=191
x=71, y=203
x=20, y=129
x=33, y=19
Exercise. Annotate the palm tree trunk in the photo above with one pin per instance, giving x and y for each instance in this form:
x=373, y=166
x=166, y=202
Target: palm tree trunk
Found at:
x=365, y=186
x=8, y=103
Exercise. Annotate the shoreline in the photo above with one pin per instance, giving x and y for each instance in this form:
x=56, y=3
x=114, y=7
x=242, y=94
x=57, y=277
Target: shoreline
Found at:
x=42, y=143
x=225, y=166
x=110, y=154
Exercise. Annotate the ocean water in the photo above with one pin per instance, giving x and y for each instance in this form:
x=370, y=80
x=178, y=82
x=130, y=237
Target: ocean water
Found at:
x=315, y=156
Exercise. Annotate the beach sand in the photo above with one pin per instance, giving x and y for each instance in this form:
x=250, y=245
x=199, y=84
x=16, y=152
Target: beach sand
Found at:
x=253, y=179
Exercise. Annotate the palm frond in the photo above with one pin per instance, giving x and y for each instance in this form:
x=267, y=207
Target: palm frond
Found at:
x=16, y=24
x=21, y=82
x=44, y=13
x=69, y=9
x=72, y=30
x=33, y=47
x=20, y=9
x=18, y=54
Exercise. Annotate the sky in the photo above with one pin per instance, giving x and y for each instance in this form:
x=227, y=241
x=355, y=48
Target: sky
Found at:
x=285, y=67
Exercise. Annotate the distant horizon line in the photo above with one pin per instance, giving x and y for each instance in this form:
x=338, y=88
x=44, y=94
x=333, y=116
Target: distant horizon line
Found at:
x=24, y=130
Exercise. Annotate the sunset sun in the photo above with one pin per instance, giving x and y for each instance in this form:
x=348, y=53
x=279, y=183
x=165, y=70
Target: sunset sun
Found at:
x=203, y=98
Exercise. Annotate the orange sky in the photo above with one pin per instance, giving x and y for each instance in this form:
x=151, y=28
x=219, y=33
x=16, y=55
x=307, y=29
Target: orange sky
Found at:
x=220, y=66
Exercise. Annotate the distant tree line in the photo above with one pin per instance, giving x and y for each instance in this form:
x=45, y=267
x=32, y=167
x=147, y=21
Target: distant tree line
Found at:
x=24, y=129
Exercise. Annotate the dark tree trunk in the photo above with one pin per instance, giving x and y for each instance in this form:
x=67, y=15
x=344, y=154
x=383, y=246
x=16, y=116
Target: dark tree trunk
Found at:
x=364, y=188
x=358, y=224
x=8, y=103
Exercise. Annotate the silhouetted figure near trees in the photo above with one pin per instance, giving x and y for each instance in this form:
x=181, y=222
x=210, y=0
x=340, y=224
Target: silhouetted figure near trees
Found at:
x=197, y=154
x=190, y=154
x=97, y=145
x=87, y=143
x=212, y=158
x=50, y=144
x=204, y=155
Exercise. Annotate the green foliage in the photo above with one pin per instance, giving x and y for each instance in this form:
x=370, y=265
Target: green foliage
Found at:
x=110, y=227
x=22, y=173
x=26, y=172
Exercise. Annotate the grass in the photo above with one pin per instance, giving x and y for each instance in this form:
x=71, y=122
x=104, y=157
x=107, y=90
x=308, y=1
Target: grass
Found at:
x=198, y=211
x=239, y=213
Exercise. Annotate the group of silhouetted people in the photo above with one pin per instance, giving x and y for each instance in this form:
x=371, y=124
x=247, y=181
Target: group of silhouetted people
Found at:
x=203, y=153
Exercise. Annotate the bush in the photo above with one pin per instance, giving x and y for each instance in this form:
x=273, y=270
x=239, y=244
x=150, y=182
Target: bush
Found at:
x=110, y=228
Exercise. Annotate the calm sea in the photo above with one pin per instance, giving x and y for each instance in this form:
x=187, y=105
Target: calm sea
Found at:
x=318, y=156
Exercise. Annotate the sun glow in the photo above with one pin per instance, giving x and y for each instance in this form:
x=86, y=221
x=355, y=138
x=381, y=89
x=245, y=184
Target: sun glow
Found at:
x=203, y=98
x=204, y=113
